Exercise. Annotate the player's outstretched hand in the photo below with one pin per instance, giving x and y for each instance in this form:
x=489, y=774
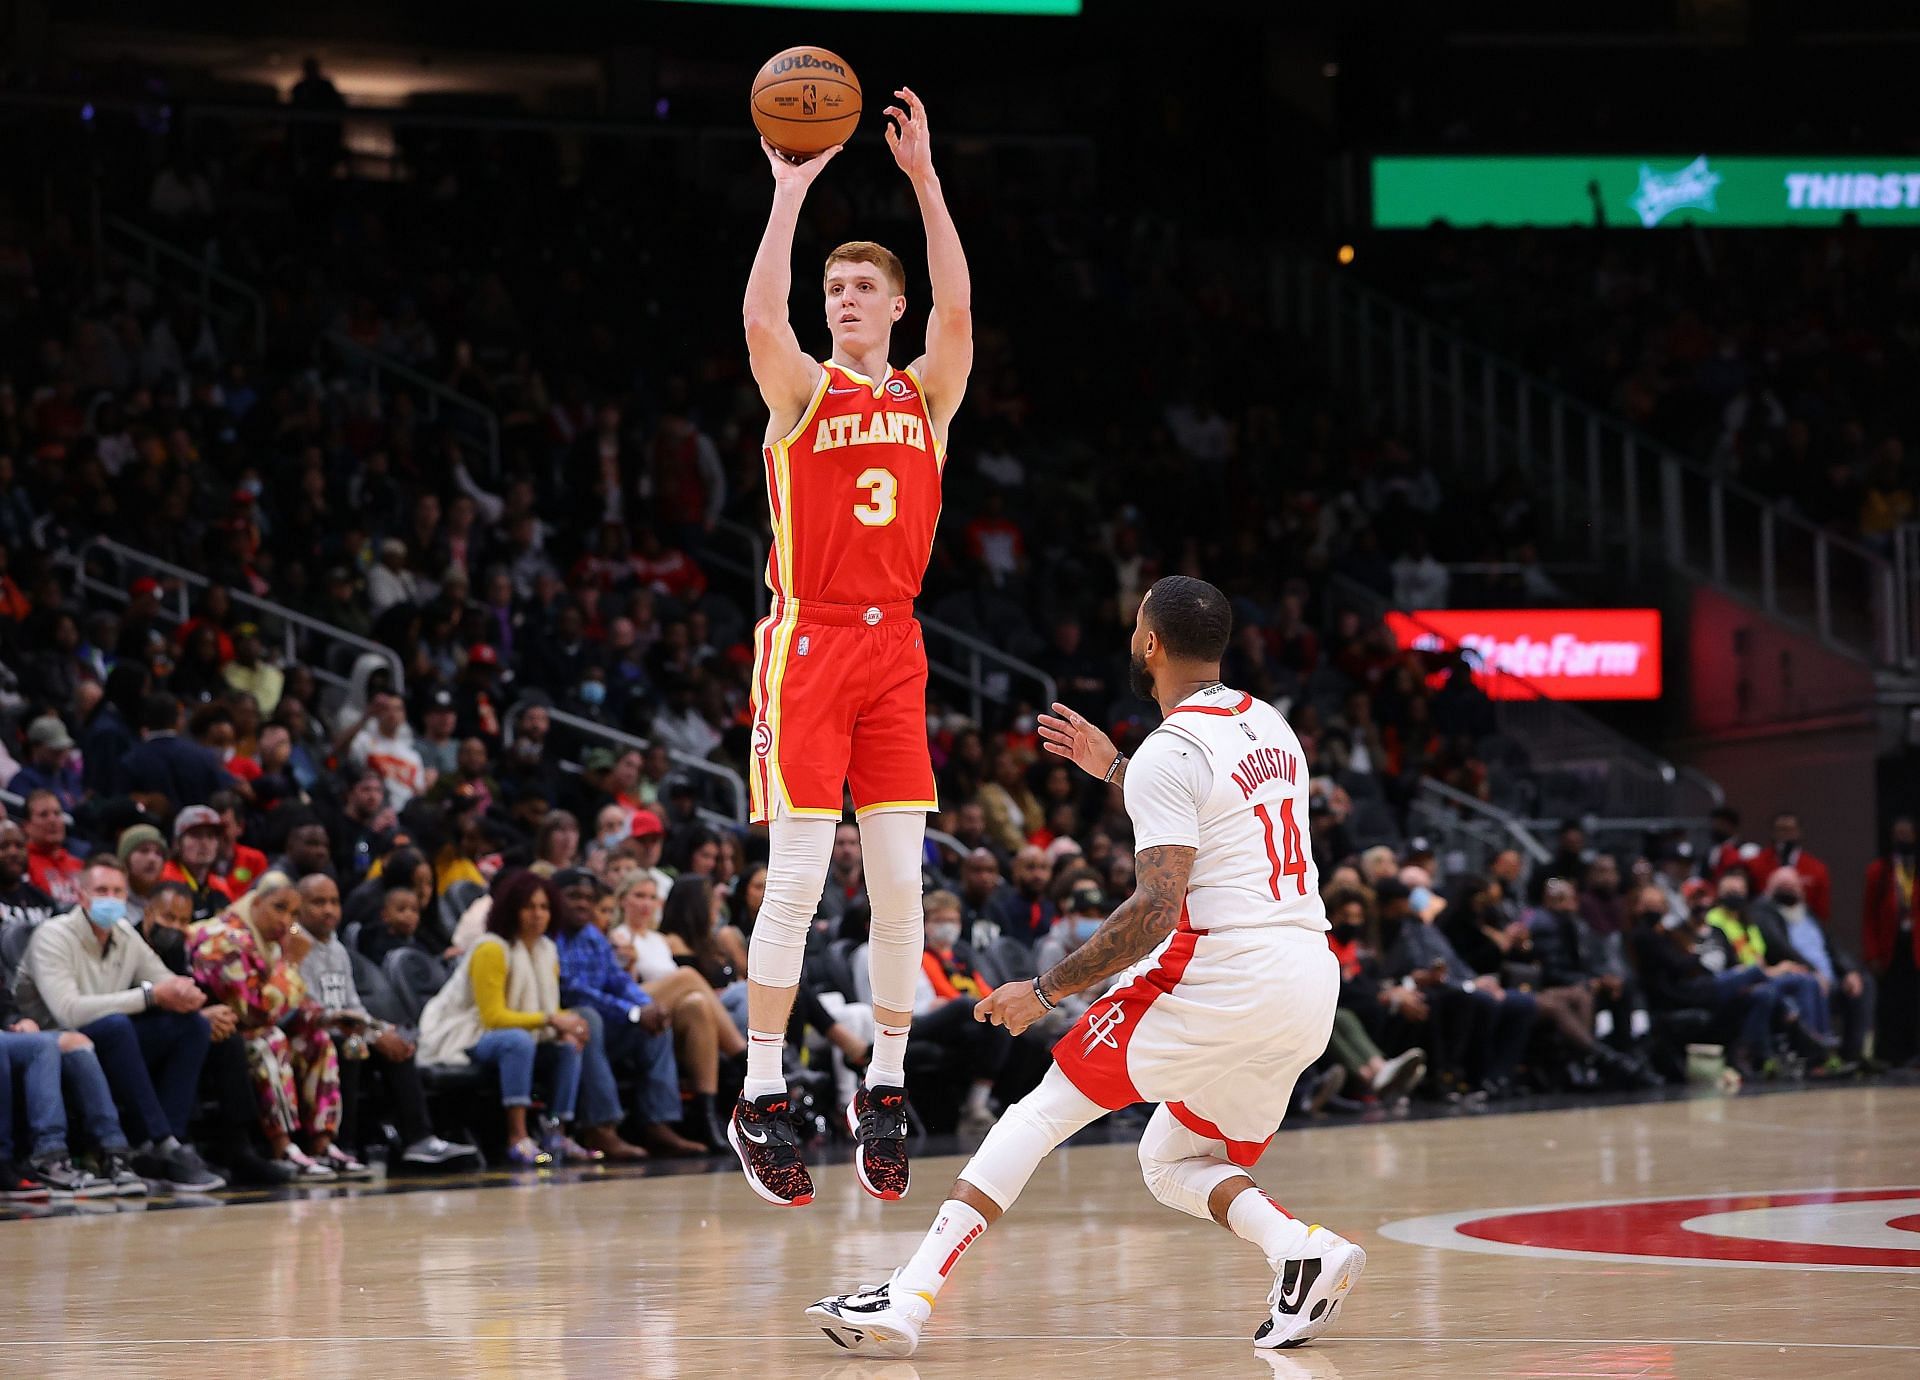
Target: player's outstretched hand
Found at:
x=801, y=175
x=1014, y=1005
x=1069, y=735
x=907, y=137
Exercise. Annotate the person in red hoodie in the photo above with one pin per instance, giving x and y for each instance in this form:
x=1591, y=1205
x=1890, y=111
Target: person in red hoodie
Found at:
x=49, y=865
x=1890, y=944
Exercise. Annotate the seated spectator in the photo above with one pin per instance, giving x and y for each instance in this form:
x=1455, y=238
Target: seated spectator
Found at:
x=635, y=1029
x=1024, y=911
x=1786, y=909
x=1671, y=960
x=397, y=924
x=1370, y=1006
x=167, y=771
x=305, y=847
x=328, y=972
x=363, y=827
x=43, y=1060
x=846, y=885
x=439, y=749
x=242, y=957
x=502, y=1008
x=50, y=764
x=237, y=862
x=142, y=850
x=21, y=902
x=1498, y=1022
x=1583, y=991
x=381, y=742
x=949, y=987
x=50, y=866
x=251, y=673
x=1747, y=943
x=89, y=970
x=197, y=835
x=556, y=844
x=1013, y=812
x=1086, y=909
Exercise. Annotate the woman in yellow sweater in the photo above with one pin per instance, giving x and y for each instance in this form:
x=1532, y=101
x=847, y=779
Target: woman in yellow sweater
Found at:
x=502, y=1007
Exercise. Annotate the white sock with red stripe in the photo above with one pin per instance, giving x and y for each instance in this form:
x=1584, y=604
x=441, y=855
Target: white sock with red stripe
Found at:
x=955, y=1228
x=764, y=1074
x=1255, y=1217
x=889, y=1066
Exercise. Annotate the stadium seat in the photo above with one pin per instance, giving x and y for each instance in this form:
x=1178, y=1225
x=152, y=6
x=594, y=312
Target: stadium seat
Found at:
x=416, y=976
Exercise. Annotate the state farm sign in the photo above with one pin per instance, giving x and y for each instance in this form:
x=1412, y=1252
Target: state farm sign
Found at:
x=1562, y=654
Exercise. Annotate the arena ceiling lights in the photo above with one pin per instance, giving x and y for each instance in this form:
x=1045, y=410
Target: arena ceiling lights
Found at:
x=1655, y=191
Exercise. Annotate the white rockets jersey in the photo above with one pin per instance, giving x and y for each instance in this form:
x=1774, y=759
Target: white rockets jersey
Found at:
x=1224, y=774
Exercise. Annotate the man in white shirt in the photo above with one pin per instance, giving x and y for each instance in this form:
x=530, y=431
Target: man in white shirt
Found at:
x=384, y=743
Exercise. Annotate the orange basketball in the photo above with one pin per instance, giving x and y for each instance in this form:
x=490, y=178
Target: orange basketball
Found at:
x=806, y=100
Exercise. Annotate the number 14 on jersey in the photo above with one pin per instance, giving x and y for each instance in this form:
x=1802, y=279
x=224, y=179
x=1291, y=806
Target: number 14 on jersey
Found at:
x=1290, y=860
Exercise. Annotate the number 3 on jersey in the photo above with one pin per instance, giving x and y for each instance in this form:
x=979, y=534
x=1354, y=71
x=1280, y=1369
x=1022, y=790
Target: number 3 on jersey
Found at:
x=883, y=492
x=1290, y=860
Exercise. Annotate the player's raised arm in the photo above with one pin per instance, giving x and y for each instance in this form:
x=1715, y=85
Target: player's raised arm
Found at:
x=786, y=373
x=943, y=369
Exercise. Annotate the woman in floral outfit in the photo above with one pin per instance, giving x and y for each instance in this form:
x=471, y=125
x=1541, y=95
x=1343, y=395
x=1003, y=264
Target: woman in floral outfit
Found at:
x=248, y=957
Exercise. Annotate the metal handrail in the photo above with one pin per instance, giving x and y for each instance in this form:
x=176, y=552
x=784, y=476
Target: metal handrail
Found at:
x=1424, y=382
x=979, y=654
x=730, y=779
x=156, y=249
x=436, y=392
x=755, y=569
x=287, y=619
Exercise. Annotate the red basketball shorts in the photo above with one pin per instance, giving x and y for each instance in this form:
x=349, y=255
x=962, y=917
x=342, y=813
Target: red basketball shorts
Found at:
x=1217, y=1024
x=839, y=702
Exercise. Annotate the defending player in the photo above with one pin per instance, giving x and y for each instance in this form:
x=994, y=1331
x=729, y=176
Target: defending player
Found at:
x=854, y=453
x=1235, y=1000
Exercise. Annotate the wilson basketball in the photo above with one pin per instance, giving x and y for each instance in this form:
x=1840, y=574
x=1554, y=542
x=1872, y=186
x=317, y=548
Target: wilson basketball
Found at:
x=806, y=100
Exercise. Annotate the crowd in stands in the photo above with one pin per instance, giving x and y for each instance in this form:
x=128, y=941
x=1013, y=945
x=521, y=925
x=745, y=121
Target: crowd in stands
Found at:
x=426, y=901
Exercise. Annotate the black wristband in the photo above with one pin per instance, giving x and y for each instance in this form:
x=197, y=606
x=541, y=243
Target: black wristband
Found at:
x=1040, y=992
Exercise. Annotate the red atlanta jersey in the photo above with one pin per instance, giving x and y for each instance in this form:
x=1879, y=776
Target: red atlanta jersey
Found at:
x=854, y=492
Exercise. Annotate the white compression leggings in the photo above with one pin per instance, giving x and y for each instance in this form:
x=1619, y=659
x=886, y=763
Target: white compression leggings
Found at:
x=1181, y=1169
x=800, y=849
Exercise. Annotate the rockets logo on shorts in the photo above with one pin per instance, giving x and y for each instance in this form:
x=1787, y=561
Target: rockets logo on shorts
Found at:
x=1100, y=1028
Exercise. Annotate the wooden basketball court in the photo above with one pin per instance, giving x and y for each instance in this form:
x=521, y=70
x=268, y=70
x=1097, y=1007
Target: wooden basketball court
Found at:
x=1809, y=1263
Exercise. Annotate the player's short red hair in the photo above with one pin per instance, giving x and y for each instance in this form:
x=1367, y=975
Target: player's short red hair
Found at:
x=867, y=252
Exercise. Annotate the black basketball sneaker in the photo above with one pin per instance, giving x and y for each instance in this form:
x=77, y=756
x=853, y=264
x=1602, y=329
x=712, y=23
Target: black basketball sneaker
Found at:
x=763, y=1135
x=1308, y=1291
x=877, y=1117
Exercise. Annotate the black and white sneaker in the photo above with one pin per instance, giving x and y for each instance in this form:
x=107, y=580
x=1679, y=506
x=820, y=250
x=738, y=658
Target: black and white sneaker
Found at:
x=433, y=1150
x=18, y=1186
x=763, y=1135
x=116, y=1167
x=884, y=1319
x=65, y=1179
x=877, y=1117
x=1308, y=1291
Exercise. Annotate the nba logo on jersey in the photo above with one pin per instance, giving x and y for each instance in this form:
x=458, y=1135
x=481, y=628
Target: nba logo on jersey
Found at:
x=804, y=644
x=1247, y=729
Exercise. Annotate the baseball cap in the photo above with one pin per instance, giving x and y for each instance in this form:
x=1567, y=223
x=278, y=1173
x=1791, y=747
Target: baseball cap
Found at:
x=645, y=825
x=482, y=654
x=1696, y=889
x=195, y=817
x=576, y=876
x=146, y=584
x=1083, y=898
x=137, y=836
x=49, y=731
x=440, y=699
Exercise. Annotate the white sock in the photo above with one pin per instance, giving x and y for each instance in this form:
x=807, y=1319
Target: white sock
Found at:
x=889, y=1066
x=955, y=1228
x=763, y=1065
x=977, y=1096
x=1255, y=1217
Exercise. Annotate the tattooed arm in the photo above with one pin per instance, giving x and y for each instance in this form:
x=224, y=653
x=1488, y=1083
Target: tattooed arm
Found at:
x=1131, y=932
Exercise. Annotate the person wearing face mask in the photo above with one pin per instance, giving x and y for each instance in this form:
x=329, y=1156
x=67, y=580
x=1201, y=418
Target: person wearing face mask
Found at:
x=1582, y=974
x=90, y=971
x=1787, y=912
x=1789, y=850
x=1086, y=906
x=950, y=985
x=1890, y=943
x=1802, y=1011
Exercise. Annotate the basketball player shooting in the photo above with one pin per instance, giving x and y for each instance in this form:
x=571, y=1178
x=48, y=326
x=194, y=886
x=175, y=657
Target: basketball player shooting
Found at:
x=854, y=454
x=1227, y=997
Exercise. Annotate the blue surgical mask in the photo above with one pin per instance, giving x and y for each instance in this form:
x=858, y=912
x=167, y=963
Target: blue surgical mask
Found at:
x=107, y=911
x=1084, y=927
x=613, y=838
x=593, y=693
x=1421, y=898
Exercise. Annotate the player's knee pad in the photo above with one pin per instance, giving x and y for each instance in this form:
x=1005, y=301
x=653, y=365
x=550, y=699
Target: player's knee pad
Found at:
x=796, y=875
x=1175, y=1174
x=1028, y=1132
x=890, y=848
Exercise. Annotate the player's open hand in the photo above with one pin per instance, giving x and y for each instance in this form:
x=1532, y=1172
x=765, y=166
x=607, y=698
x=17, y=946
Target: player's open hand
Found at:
x=1015, y=1005
x=1069, y=735
x=907, y=136
x=790, y=174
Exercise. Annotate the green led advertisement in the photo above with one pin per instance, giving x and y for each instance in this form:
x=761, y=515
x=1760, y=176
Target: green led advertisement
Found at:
x=1652, y=191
